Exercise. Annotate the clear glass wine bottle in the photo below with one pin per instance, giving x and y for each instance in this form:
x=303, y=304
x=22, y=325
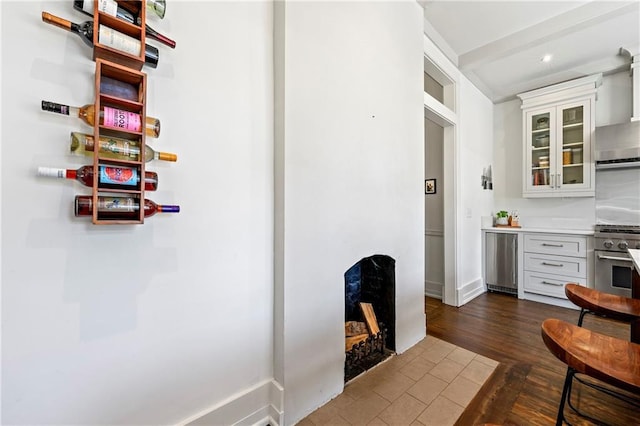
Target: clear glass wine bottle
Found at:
x=109, y=177
x=159, y=7
x=111, y=7
x=120, y=207
x=116, y=148
x=155, y=7
x=106, y=36
x=109, y=117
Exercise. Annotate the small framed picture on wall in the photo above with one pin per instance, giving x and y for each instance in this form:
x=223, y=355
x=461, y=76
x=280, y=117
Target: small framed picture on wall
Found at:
x=429, y=186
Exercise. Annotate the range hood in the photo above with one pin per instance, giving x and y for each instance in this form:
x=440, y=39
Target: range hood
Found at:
x=618, y=146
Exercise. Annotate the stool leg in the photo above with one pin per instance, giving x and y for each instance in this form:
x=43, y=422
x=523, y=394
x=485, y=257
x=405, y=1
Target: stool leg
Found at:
x=566, y=393
x=583, y=311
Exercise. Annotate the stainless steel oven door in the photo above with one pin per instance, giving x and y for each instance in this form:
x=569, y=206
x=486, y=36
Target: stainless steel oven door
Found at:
x=613, y=272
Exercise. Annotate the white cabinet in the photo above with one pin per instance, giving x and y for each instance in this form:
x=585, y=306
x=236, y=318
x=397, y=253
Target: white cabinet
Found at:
x=552, y=260
x=558, y=139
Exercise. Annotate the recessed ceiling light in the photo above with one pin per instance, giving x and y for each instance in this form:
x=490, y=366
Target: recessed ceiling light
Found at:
x=546, y=58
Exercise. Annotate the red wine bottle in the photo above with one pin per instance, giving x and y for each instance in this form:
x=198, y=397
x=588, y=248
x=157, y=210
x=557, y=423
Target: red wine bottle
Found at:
x=119, y=207
x=109, y=177
x=111, y=7
x=107, y=36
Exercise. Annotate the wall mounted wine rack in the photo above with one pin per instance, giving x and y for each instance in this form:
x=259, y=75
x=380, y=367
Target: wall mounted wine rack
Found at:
x=137, y=80
x=117, y=34
x=124, y=68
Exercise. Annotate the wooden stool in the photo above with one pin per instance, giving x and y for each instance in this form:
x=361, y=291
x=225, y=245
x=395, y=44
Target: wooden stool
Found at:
x=608, y=305
x=613, y=361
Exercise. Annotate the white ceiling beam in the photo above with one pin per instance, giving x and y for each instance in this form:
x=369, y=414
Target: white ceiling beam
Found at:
x=561, y=25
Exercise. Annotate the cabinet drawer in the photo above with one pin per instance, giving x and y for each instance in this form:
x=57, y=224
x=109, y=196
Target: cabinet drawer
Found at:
x=557, y=265
x=564, y=245
x=548, y=285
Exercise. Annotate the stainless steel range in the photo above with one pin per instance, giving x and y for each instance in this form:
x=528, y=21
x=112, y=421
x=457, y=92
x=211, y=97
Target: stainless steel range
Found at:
x=613, y=266
x=617, y=205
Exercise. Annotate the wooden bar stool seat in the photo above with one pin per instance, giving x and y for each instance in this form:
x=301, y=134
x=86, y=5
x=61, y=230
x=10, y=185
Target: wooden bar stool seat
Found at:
x=613, y=361
x=619, y=308
x=610, y=305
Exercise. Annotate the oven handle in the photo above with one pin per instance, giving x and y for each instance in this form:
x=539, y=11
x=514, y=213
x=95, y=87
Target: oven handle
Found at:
x=622, y=259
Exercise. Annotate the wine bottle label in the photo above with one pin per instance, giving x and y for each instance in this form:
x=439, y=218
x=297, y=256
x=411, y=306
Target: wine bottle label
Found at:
x=118, y=176
x=87, y=6
x=110, y=7
x=117, y=40
x=116, y=204
x=121, y=147
x=122, y=119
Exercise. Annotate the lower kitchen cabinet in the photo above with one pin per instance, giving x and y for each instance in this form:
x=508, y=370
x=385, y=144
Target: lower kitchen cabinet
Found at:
x=553, y=260
x=546, y=260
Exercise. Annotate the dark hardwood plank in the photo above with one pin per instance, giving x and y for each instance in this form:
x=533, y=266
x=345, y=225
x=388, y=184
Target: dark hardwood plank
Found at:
x=525, y=389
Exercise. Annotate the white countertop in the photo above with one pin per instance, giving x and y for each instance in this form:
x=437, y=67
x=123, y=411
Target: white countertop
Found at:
x=542, y=230
x=635, y=255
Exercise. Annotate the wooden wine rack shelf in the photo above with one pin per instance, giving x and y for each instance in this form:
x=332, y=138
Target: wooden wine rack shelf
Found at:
x=137, y=32
x=138, y=80
x=124, y=68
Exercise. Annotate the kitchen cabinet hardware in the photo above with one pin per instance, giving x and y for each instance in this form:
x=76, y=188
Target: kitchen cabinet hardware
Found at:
x=621, y=259
x=552, y=260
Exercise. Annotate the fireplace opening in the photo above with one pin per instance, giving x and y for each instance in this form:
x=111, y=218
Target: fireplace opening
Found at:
x=370, y=314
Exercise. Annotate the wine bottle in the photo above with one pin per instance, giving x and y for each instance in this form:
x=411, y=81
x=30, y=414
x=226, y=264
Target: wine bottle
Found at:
x=120, y=207
x=111, y=7
x=106, y=36
x=158, y=7
x=116, y=148
x=109, y=117
x=120, y=89
x=109, y=177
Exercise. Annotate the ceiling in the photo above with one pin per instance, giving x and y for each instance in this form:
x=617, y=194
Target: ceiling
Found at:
x=498, y=45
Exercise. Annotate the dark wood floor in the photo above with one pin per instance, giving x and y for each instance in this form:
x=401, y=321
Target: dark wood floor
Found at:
x=525, y=388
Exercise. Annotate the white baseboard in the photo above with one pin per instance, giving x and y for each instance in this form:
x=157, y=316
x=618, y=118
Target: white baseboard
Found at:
x=470, y=291
x=433, y=289
x=259, y=405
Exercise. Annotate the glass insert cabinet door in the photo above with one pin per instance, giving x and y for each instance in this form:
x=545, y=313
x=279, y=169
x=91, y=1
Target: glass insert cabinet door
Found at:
x=540, y=149
x=573, y=141
x=558, y=147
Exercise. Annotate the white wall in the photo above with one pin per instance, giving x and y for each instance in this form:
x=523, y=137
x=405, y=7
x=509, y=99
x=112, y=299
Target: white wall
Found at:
x=147, y=324
x=613, y=106
x=352, y=149
x=475, y=142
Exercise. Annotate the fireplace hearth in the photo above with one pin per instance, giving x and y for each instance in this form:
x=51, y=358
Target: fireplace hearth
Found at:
x=369, y=313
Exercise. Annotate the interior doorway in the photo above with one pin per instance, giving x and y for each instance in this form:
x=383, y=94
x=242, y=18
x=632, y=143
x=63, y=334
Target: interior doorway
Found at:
x=434, y=209
x=441, y=247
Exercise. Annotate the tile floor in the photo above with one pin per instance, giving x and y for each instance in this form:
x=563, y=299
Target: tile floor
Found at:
x=430, y=384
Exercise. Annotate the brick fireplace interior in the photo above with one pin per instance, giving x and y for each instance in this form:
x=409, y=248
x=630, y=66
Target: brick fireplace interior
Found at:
x=371, y=280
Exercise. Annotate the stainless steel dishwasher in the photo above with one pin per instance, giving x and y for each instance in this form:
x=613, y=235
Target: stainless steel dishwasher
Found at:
x=501, y=262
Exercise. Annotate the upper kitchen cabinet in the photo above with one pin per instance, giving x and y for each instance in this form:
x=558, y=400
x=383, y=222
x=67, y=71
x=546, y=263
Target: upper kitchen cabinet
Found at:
x=558, y=137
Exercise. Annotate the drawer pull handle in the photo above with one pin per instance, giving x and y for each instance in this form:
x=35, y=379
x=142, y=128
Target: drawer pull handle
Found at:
x=550, y=283
x=552, y=245
x=552, y=264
